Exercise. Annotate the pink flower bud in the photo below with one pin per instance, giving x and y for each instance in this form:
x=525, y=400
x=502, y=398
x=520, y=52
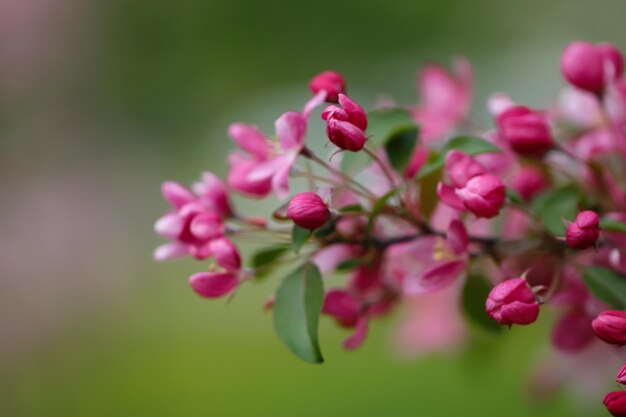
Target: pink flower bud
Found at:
x=615, y=403
x=526, y=131
x=584, y=232
x=582, y=65
x=621, y=376
x=483, y=195
x=346, y=125
x=213, y=284
x=343, y=306
x=572, y=332
x=512, y=302
x=226, y=254
x=331, y=82
x=529, y=182
x=610, y=326
x=307, y=210
x=614, y=57
x=461, y=167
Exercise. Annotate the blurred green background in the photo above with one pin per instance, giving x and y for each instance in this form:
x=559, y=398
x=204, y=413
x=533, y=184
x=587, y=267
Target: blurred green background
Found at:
x=102, y=100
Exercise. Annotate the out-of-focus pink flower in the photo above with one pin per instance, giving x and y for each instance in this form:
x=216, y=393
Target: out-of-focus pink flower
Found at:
x=195, y=219
x=483, y=195
x=525, y=130
x=343, y=306
x=445, y=99
x=331, y=82
x=346, y=124
x=213, y=284
x=621, y=376
x=512, y=302
x=433, y=323
x=588, y=66
x=584, y=231
x=528, y=182
x=615, y=403
x=226, y=254
x=330, y=257
x=460, y=168
x=573, y=331
x=610, y=326
x=308, y=210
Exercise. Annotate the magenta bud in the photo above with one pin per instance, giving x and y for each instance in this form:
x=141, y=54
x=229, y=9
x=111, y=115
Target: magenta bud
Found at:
x=621, y=376
x=483, y=195
x=213, y=284
x=582, y=65
x=615, y=403
x=307, y=210
x=584, y=231
x=529, y=182
x=331, y=82
x=525, y=130
x=613, y=56
x=610, y=326
x=346, y=125
x=460, y=168
x=512, y=302
x=343, y=306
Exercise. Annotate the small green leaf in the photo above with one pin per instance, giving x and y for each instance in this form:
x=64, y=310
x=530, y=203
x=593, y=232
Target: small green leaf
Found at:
x=555, y=205
x=265, y=257
x=353, y=208
x=383, y=124
x=400, y=146
x=607, y=285
x=299, y=236
x=514, y=196
x=297, y=309
x=378, y=206
x=613, y=225
x=475, y=294
x=468, y=144
x=349, y=264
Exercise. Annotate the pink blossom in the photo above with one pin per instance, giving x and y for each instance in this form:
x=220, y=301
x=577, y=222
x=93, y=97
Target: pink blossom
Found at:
x=573, y=331
x=588, y=66
x=610, y=326
x=331, y=82
x=460, y=168
x=346, y=125
x=615, y=403
x=584, y=231
x=528, y=182
x=483, y=195
x=308, y=210
x=525, y=130
x=512, y=302
x=445, y=99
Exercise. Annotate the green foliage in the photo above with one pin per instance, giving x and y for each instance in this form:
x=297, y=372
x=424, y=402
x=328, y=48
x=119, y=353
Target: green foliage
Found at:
x=552, y=206
x=607, y=285
x=265, y=257
x=613, y=225
x=474, y=295
x=296, y=312
x=400, y=146
x=299, y=236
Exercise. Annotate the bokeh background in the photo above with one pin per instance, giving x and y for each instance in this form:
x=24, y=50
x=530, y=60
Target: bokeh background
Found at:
x=102, y=100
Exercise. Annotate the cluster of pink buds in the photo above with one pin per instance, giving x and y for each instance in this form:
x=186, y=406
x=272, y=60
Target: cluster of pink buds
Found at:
x=470, y=227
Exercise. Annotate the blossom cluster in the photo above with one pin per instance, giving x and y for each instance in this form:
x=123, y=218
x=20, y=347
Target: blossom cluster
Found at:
x=469, y=227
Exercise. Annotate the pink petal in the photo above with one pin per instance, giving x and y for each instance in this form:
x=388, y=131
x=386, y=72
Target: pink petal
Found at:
x=169, y=251
x=457, y=236
x=447, y=195
x=213, y=284
x=176, y=194
x=170, y=225
x=328, y=258
x=226, y=254
x=250, y=139
x=280, y=180
x=315, y=101
x=435, y=278
x=290, y=129
x=358, y=337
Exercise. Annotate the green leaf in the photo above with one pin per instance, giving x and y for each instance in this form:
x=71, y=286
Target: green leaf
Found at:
x=400, y=146
x=349, y=264
x=383, y=124
x=555, y=205
x=353, y=208
x=266, y=257
x=378, y=206
x=299, y=236
x=607, y=285
x=514, y=196
x=468, y=144
x=613, y=225
x=297, y=309
x=474, y=295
